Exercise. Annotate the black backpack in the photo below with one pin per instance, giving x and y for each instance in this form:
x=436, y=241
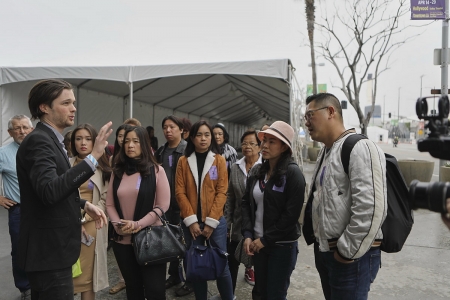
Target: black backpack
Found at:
x=399, y=219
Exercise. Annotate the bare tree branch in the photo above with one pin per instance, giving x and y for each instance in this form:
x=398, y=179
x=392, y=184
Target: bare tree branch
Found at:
x=359, y=40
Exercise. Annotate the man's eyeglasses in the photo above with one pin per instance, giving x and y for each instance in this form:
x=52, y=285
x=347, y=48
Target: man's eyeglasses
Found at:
x=310, y=113
x=248, y=145
x=18, y=129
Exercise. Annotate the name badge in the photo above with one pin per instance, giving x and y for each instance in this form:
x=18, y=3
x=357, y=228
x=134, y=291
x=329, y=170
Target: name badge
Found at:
x=138, y=184
x=280, y=188
x=170, y=160
x=213, y=173
x=90, y=185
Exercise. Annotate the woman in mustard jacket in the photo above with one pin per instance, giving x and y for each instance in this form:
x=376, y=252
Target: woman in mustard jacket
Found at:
x=201, y=187
x=93, y=257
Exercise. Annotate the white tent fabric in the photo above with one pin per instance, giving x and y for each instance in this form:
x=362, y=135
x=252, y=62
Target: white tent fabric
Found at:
x=269, y=68
x=238, y=94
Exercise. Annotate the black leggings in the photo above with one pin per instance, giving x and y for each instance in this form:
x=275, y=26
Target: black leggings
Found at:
x=141, y=281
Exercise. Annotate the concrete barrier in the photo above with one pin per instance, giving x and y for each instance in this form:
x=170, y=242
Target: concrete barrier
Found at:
x=411, y=169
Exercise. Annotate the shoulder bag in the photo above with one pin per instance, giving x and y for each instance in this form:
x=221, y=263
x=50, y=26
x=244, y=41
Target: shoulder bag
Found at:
x=204, y=262
x=241, y=256
x=159, y=244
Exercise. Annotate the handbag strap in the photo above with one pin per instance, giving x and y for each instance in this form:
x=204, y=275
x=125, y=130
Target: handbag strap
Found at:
x=162, y=217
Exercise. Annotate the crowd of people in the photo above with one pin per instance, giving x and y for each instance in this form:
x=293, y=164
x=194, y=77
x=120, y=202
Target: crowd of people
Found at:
x=61, y=191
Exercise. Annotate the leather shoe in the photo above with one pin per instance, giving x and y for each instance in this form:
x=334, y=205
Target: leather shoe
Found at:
x=184, y=290
x=170, y=282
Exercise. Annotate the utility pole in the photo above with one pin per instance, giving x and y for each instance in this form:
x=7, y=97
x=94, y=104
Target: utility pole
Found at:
x=421, y=85
x=444, y=53
x=444, y=60
x=398, y=108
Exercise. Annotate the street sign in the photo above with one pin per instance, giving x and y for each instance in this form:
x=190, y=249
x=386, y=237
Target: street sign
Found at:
x=376, y=111
x=437, y=56
x=427, y=9
x=437, y=91
x=321, y=88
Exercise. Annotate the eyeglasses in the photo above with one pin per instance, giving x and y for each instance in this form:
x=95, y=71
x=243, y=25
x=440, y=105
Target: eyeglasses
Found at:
x=248, y=145
x=310, y=113
x=18, y=129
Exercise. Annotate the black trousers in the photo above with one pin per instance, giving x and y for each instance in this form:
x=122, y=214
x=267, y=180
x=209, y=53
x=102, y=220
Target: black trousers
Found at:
x=51, y=285
x=173, y=216
x=142, y=282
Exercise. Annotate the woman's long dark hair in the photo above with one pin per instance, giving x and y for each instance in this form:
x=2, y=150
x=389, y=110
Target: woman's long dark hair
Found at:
x=190, y=147
x=103, y=162
x=116, y=143
x=144, y=162
x=280, y=168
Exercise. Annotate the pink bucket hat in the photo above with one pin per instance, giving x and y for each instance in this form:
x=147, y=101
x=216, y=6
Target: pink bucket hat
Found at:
x=281, y=130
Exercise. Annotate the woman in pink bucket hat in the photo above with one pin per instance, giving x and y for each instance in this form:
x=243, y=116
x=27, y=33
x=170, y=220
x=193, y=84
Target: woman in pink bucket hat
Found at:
x=271, y=207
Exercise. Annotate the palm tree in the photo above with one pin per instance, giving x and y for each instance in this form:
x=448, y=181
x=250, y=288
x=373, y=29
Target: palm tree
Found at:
x=310, y=19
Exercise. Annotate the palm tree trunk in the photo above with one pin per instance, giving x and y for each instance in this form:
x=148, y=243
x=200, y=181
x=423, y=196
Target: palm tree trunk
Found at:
x=310, y=19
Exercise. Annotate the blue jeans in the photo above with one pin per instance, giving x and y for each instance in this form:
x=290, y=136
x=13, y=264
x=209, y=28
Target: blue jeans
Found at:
x=219, y=238
x=273, y=268
x=20, y=277
x=347, y=281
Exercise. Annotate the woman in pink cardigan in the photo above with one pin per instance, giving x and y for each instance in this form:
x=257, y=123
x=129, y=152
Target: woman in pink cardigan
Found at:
x=138, y=184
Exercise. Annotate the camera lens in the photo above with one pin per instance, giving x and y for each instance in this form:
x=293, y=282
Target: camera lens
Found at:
x=431, y=196
x=421, y=108
x=443, y=107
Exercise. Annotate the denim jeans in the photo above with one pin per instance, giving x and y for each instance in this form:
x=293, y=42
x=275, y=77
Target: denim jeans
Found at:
x=273, y=268
x=20, y=277
x=219, y=238
x=347, y=281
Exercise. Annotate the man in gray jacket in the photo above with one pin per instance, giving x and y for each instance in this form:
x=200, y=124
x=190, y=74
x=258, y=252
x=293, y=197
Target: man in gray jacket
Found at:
x=344, y=213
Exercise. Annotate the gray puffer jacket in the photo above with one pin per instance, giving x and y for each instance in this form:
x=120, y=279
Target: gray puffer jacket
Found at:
x=349, y=208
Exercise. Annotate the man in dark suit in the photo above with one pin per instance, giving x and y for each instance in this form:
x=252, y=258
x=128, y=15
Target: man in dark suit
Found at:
x=50, y=227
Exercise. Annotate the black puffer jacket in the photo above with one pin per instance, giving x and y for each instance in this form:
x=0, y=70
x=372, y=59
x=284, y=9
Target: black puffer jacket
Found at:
x=282, y=207
x=177, y=153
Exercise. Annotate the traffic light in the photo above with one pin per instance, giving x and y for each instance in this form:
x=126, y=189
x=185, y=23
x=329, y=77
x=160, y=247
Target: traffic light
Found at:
x=344, y=104
x=389, y=115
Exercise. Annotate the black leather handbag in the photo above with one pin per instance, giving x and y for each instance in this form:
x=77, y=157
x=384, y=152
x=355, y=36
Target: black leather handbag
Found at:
x=159, y=244
x=241, y=256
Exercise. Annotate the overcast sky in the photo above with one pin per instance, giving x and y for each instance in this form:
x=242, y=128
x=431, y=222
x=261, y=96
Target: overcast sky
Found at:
x=112, y=32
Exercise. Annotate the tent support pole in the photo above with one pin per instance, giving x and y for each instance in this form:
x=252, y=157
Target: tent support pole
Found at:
x=153, y=119
x=131, y=99
x=77, y=105
x=1, y=116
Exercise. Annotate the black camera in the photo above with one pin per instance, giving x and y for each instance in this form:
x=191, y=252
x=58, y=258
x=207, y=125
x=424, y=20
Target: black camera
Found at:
x=432, y=196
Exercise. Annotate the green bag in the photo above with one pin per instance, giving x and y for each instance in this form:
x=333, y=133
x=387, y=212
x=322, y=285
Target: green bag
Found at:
x=76, y=269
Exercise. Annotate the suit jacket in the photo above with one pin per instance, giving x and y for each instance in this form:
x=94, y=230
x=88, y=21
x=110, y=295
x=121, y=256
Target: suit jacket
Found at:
x=50, y=223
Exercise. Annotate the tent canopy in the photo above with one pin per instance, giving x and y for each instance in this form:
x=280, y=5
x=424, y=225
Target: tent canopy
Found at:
x=246, y=93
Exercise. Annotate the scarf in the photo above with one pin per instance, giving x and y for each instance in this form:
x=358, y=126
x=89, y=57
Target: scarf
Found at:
x=146, y=195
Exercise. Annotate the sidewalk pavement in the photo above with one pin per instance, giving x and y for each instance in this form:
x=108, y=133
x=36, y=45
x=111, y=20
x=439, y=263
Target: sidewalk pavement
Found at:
x=420, y=271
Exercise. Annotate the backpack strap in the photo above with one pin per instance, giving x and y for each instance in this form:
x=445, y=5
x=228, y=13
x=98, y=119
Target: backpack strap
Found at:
x=347, y=148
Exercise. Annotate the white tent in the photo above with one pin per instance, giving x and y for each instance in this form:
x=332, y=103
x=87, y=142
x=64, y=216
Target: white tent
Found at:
x=240, y=94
